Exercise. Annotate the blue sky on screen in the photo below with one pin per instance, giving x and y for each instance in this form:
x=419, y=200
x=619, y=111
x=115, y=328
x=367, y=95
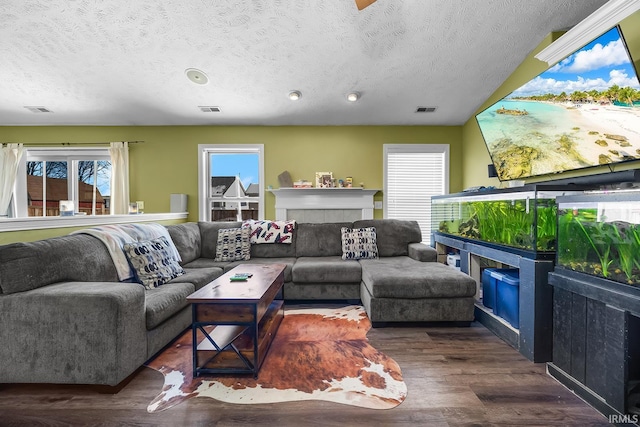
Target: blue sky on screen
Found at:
x=599, y=65
x=245, y=165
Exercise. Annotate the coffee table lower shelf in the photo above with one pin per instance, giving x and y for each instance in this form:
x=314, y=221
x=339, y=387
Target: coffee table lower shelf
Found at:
x=234, y=347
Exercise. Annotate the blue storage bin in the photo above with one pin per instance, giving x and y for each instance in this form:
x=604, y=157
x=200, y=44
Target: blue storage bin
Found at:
x=488, y=288
x=508, y=295
x=490, y=277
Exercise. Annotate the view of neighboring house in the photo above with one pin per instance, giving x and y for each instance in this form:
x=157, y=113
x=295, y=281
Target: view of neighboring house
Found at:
x=57, y=189
x=232, y=188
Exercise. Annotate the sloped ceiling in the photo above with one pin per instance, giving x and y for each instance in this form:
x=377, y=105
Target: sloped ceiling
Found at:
x=113, y=62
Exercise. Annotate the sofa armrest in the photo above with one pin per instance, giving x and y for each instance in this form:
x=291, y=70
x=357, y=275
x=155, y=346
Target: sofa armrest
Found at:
x=73, y=332
x=422, y=252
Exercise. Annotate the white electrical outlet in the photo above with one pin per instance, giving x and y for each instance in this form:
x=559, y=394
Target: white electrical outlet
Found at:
x=377, y=205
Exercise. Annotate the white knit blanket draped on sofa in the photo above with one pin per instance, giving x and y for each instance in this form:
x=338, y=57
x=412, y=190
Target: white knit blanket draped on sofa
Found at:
x=115, y=236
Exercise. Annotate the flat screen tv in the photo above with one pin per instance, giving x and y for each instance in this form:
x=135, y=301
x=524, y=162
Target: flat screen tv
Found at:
x=582, y=112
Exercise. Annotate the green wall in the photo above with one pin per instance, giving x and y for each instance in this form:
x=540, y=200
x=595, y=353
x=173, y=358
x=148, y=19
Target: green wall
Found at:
x=167, y=161
x=476, y=157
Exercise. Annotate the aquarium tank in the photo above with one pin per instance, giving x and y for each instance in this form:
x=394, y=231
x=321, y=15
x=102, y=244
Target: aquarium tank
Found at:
x=599, y=235
x=522, y=218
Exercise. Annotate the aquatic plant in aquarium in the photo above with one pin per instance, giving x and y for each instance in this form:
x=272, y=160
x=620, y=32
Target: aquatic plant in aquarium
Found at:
x=523, y=218
x=512, y=223
x=590, y=243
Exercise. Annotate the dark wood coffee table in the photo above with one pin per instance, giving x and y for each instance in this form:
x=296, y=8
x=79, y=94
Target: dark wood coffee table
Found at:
x=245, y=316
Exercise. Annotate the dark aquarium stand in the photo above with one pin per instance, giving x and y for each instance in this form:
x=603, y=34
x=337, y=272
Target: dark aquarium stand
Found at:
x=513, y=228
x=533, y=336
x=596, y=300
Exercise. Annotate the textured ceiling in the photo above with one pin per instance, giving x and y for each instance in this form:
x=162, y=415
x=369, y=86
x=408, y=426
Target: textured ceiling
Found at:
x=114, y=62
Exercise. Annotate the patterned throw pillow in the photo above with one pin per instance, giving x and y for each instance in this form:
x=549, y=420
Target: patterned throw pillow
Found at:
x=271, y=231
x=359, y=243
x=233, y=244
x=153, y=262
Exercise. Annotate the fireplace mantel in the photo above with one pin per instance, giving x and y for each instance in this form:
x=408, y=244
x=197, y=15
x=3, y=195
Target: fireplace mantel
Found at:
x=340, y=204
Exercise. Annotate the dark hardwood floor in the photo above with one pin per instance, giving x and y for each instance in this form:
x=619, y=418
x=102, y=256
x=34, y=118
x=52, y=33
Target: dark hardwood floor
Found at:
x=455, y=377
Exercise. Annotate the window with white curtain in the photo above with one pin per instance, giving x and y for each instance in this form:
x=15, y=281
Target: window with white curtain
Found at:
x=412, y=174
x=76, y=177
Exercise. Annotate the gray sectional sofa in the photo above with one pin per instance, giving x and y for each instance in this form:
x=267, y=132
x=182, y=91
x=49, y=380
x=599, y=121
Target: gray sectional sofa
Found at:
x=65, y=317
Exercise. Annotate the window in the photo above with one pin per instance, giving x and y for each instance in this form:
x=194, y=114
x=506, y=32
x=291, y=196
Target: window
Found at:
x=412, y=174
x=230, y=182
x=49, y=176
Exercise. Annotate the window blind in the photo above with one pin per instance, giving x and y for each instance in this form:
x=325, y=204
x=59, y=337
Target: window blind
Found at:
x=413, y=175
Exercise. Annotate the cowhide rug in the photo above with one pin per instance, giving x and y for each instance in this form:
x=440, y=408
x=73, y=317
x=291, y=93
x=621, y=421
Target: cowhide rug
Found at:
x=317, y=354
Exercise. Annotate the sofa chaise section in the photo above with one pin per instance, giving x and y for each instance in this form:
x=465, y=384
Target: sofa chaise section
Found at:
x=401, y=289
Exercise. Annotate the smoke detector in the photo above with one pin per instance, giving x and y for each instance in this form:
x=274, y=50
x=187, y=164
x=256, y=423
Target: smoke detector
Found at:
x=196, y=76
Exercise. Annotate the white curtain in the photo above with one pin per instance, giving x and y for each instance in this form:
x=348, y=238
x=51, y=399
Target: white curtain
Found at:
x=9, y=158
x=119, y=152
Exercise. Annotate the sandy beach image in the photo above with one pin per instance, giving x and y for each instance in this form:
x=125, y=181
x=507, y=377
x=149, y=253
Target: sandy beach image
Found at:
x=580, y=113
x=595, y=122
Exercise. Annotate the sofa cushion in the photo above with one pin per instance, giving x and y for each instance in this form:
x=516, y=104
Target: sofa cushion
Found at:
x=403, y=277
x=289, y=262
x=153, y=261
x=274, y=251
x=206, y=263
x=163, y=302
x=199, y=277
x=392, y=235
x=422, y=252
x=271, y=232
x=359, y=243
x=233, y=244
x=315, y=240
x=186, y=238
x=329, y=269
x=77, y=257
x=209, y=236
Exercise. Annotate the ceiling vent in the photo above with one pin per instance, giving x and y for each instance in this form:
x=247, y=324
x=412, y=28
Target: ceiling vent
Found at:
x=425, y=109
x=206, y=109
x=38, y=109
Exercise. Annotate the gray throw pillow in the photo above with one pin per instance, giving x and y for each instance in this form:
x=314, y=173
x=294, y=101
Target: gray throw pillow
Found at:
x=153, y=261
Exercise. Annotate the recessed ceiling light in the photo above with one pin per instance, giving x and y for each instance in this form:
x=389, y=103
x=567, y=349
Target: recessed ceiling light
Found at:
x=196, y=76
x=353, y=97
x=295, y=95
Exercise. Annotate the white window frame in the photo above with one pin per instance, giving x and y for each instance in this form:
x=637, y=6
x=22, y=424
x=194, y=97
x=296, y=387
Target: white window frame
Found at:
x=439, y=149
x=204, y=176
x=65, y=154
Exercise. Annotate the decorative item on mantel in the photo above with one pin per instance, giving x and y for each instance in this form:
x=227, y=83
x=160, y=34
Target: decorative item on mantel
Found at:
x=303, y=183
x=284, y=179
x=324, y=179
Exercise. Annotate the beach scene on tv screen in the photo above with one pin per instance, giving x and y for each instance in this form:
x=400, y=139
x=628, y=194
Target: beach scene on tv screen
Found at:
x=582, y=112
